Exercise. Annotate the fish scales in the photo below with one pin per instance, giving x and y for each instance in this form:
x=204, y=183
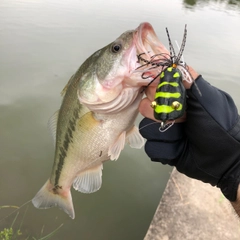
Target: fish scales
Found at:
x=96, y=117
x=71, y=108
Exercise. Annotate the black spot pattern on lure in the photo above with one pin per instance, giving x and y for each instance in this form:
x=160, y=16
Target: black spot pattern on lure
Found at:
x=170, y=96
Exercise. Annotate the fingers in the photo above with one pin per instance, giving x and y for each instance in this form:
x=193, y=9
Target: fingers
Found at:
x=150, y=92
x=146, y=110
x=145, y=106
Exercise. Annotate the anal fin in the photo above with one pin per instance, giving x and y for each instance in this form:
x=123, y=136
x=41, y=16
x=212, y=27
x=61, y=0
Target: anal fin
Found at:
x=89, y=181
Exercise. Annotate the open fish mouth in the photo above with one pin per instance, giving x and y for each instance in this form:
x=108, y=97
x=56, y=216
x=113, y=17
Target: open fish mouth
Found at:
x=149, y=47
x=147, y=41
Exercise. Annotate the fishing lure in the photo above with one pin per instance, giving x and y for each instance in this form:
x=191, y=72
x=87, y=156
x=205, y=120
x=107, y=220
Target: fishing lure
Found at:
x=170, y=96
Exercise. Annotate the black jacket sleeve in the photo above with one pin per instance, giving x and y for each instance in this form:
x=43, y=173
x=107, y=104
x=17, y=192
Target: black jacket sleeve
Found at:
x=208, y=147
x=212, y=130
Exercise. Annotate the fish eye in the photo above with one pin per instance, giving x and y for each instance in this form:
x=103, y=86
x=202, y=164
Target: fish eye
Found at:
x=116, y=47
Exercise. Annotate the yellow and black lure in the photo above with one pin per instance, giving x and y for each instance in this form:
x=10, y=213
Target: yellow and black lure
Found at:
x=170, y=96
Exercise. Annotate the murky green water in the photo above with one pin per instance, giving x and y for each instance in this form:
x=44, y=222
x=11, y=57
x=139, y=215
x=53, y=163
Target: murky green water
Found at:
x=42, y=43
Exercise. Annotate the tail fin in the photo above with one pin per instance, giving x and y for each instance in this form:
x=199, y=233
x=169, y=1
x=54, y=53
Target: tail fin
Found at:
x=47, y=198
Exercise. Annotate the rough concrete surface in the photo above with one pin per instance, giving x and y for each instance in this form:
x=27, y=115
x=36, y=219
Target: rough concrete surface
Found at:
x=192, y=210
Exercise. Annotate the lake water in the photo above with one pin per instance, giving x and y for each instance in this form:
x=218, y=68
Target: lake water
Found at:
x=42, y=43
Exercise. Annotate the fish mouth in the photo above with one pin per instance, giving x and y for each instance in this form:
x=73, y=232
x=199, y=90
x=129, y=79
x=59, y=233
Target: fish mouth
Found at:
x=147, y=41
x=148, y=45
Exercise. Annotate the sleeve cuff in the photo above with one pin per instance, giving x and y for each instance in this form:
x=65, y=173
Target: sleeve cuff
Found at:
x=149, y=129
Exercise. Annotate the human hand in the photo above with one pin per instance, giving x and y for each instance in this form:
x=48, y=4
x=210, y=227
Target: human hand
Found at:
x=145, y=106
x=206, y=147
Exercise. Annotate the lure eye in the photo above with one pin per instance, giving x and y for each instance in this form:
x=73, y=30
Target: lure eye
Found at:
x=175, y=105
x=116, y=47
x=153, y=104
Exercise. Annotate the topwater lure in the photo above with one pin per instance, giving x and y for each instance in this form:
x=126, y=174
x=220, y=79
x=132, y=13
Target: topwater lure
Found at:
x=170, y=96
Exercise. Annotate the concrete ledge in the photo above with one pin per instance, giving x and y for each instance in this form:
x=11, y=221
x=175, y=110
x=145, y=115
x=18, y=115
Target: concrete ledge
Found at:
x=192, y=210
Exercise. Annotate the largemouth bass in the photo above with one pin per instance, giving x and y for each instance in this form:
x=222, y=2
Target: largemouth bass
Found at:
x=96, y=118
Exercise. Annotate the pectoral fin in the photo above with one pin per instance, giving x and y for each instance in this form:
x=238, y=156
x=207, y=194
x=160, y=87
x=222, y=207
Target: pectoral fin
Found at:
x=116, y=148
x=89, y=181
x=134, y=138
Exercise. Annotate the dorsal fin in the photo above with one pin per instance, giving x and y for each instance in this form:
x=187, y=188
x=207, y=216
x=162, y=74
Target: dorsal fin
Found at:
x=52, y=125
x=63, y=92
